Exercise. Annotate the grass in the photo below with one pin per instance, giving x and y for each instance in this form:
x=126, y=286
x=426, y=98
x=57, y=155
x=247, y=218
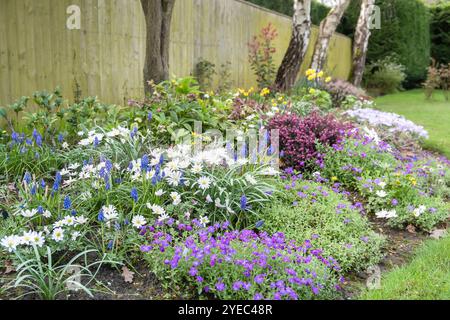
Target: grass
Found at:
x=433, y=114
x=427, y=277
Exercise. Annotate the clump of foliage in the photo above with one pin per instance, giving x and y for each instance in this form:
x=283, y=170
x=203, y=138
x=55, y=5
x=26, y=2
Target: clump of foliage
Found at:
x=260, y=56
x=175, y=106
x=299, y=137
x=312, y=210
x=204, y=73
x=225, y=81
x=384, y=76
x=438, y=78
x=341, y=89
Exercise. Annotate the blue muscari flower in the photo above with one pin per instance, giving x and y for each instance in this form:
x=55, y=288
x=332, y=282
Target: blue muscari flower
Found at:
x=243, y=202
x=40, y=210
x=154, y=180
x=108, y=165
x=150, y=116
x=60, y=138
x=39, y=140
x=100, y=216
x=133, y=132
x=110, y=245
x=96, y=142
x=67, y=203
x=126, y=222
x=259, y=224
x=161, y=159
x=85, y=162
x=37, y=155
x=118, y=180
x=42, y=184
x=102, y=172
x=27, y=177
x=270, y=151
x=117, y=226
x=23, y=150
x=33, y=190
x=29, y=142
x=35, y=133
x=134, y=194
x=58, y=177
x=15, y=137
x=144, y=163
x=73, y=212
x=57, y=181
x=244, y=150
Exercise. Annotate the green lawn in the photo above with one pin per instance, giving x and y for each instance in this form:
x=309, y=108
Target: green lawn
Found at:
x=433, y=114
x=427, y=277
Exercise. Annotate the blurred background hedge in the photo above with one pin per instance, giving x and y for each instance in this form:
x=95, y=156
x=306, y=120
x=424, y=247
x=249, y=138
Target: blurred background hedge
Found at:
x=440, y=32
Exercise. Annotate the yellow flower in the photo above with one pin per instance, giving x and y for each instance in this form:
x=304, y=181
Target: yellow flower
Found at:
x=264, y=92
x=327, y=79
x=320, y=74
x=312, y=77
x=312, y=91
x=310, y=72
x=334, y=178
x=280, y=98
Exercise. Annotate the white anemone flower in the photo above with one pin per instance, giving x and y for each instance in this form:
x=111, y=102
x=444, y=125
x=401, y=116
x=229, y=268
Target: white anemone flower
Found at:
x=10, y=243
x=204, y=182
x=138, y=221
x=58, y=234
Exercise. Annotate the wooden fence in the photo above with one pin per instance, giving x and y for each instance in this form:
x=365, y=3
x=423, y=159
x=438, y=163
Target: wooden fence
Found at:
x=105, y=56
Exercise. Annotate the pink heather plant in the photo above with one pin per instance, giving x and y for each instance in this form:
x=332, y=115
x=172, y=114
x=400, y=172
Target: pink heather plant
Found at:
x=299, y=137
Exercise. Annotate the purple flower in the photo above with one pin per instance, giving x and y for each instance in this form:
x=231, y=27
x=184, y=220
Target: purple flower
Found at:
x=220, y=286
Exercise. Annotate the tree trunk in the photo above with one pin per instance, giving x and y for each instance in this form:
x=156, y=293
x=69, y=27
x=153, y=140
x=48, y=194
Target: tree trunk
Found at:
x=361, y=41
x=301, y=32
x=158, y=16
x=326, y=30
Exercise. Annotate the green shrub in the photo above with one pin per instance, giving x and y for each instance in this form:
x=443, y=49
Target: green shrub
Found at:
x=384, y=76
x=311, y=210
x=440, y=36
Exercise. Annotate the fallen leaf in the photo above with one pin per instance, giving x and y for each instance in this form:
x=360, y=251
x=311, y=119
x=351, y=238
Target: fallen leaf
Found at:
x=127, y=274
x=438, y=233
x=411, y=229
x=9, y=267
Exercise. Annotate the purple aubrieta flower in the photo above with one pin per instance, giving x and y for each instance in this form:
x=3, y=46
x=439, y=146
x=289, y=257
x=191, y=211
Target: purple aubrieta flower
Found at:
x=220, y=286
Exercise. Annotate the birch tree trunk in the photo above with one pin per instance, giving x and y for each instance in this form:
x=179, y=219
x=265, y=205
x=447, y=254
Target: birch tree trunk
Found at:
x=301, y=33
x=158, y=16
x=361, y=41
x=326, y=30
